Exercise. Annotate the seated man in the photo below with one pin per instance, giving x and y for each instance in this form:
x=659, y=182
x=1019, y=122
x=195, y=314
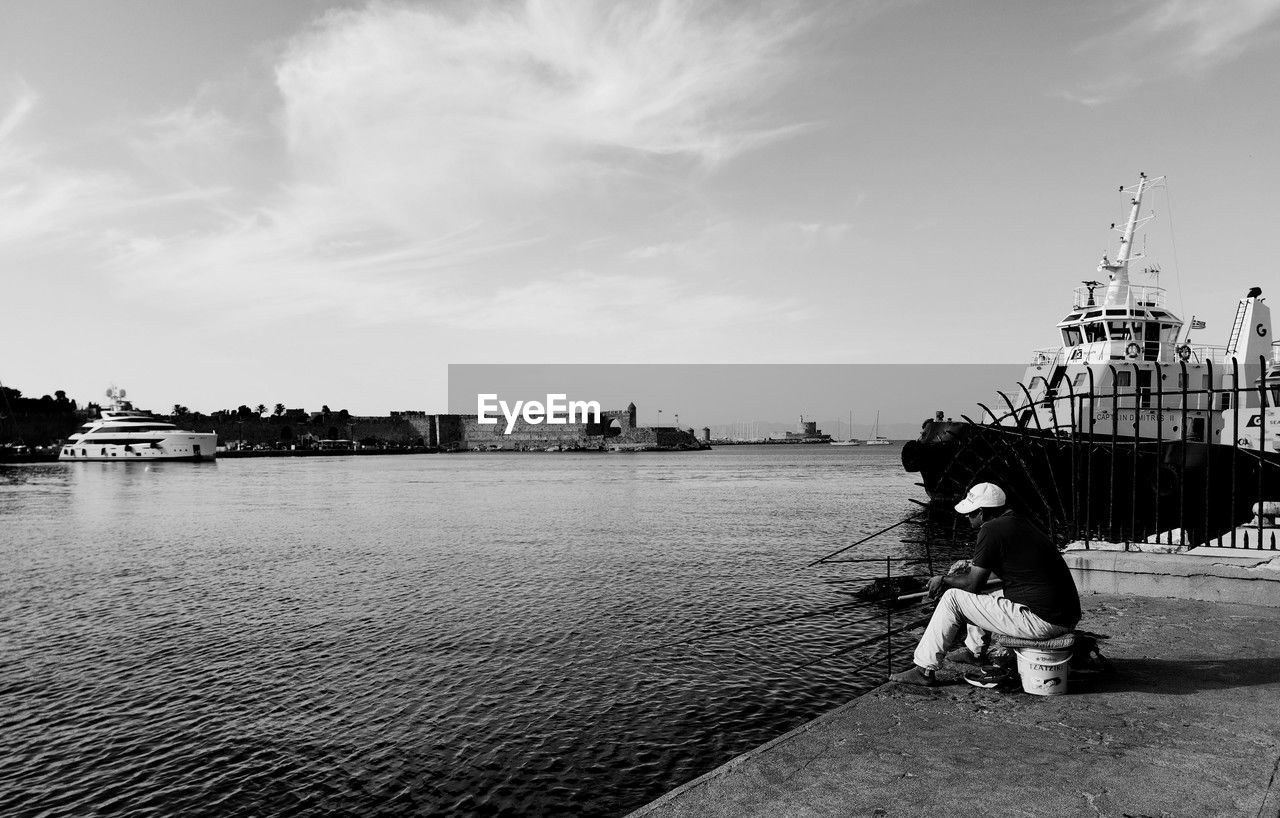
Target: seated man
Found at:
x=1039, y=599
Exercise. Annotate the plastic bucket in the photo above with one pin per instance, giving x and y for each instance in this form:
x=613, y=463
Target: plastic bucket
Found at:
x=1043, y=672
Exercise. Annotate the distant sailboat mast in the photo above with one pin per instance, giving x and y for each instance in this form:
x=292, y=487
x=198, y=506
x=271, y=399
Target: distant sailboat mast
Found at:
x=876, y=439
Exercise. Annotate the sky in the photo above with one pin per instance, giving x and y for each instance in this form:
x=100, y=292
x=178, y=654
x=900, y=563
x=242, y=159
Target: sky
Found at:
x=310, y=203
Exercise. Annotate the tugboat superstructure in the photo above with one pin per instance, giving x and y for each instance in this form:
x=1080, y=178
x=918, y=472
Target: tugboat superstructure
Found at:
x=1124, y=359
x=1128, y=429
x=124, y=433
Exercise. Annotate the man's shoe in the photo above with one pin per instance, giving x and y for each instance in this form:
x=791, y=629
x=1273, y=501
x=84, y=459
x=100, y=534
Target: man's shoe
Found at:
x=988, y=677
x=915, y=676
x=963, y=656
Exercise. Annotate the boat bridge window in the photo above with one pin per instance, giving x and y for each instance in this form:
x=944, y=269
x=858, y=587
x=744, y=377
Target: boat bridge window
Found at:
x=1120, y=330
x=1071, y=336
x=1117, y=312
x=1095, y=331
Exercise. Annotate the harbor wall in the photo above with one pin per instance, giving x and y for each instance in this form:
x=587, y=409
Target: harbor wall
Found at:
x=616, y=430
x=1213, y=575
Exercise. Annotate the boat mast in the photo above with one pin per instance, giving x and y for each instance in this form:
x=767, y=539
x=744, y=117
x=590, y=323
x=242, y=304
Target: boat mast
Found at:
x=1118, y=270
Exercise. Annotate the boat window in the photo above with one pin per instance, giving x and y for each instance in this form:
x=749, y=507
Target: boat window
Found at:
x=1093, y=313
x=1072, y=317
x=1224, y=400
x=1081, y=377
x=1117, y=312
x=1144, y=388
x=1095, y=331
x=1124, y=378
x=1119, y=330
x=1158, y=314
x=1071, y=336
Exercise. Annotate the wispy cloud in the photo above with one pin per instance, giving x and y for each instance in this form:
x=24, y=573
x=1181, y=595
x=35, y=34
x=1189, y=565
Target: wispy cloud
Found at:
x=1156, y=39
x=418, y=140
x=40, y=201
x=417, y=147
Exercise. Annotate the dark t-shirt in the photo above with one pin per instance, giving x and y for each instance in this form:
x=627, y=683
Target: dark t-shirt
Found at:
x=1033, y=571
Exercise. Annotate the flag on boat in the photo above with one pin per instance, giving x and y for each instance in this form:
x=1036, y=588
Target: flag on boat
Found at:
x=1197, y=324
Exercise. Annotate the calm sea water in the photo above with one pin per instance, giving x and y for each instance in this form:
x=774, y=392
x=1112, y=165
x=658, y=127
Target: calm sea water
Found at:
x=467, y=634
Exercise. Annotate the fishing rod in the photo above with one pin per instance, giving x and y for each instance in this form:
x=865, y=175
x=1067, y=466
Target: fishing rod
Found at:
x=990, y=586
x=868, y=537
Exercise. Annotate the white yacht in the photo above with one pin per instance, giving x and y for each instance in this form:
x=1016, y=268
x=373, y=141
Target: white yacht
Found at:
x=125, y=433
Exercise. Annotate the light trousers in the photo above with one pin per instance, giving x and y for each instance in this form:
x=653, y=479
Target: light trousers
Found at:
x=982, y=614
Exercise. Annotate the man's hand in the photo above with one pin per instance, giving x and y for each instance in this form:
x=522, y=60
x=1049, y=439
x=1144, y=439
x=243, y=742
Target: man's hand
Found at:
x=936, y=587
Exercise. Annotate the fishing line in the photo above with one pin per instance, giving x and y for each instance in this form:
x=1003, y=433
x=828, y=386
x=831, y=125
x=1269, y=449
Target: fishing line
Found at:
x=864, y=642
x=731, y=631
x=1173, y=244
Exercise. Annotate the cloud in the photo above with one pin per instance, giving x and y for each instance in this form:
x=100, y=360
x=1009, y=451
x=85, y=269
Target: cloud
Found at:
x=1164, y=38
x=421, y=158
x=420, y=141
x=1203, y=34
x=457, y=112
x=39, y=201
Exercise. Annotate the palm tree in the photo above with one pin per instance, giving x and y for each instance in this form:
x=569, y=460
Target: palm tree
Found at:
x=279, y=410
x=261, y=410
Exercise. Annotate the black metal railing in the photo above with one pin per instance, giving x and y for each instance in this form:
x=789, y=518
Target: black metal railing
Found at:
x=1134, y=462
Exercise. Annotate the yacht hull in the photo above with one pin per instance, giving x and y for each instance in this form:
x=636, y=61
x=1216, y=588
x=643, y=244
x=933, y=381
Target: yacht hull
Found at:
x=194, y=446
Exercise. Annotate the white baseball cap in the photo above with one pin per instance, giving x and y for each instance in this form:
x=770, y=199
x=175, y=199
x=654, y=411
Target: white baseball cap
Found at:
x=983, y=495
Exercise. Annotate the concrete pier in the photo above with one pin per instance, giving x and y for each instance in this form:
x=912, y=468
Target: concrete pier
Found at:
x=1189, y=724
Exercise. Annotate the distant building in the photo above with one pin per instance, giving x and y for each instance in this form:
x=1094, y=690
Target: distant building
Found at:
x=807, y=431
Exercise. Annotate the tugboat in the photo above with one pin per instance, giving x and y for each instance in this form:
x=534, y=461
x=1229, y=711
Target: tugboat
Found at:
x=1128, y=429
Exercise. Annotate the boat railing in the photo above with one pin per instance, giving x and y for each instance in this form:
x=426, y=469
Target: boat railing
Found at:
x=1203, y=353
x=1046, y=357
x=1117, y=295
x=1167, y=461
